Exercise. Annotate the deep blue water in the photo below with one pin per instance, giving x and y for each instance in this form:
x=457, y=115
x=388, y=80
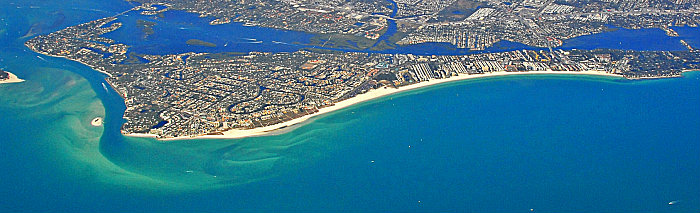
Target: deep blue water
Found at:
x=172, y=31
x=508, y=144
x=176, y=27
x=391, y=24
x=643, y=39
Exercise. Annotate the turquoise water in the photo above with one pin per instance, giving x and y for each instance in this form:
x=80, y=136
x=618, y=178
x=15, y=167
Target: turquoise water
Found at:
x=506, y=144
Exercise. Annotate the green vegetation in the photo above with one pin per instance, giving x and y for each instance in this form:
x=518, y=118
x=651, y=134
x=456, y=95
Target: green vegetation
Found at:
x=396, y=37
x=459, y=10
x=383, y=45
x=134, y=58
x=146, y=27
x=337, y=40
x=223, y=55
x=197, y=42
x=323, y=51
x=4, y=75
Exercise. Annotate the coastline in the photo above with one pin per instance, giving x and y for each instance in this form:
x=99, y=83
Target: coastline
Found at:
x=65, y=57
x=369, y=95
x=13, y=79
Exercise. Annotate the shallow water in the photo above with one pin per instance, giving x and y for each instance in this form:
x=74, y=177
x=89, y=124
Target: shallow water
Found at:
x=573, y=144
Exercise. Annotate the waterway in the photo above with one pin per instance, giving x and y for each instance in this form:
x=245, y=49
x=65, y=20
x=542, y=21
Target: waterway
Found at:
x=507, y=144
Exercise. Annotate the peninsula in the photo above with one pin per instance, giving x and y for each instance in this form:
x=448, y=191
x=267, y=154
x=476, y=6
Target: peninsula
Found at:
x=174, y=96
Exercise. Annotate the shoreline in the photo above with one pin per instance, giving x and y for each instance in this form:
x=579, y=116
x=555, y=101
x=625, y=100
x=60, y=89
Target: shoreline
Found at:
x=13, y=79
x=97, y=121
x=65, y=57
x=369, y=95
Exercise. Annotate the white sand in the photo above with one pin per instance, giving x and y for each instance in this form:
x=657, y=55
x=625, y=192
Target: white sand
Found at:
x=96, y=121
x=372, y=94
x=13, y=79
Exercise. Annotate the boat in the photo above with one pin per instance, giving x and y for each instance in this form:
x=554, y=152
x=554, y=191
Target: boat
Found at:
x=105, y=87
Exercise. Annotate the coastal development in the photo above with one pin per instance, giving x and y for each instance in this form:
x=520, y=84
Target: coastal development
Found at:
x=208, y=94
x=471, y=24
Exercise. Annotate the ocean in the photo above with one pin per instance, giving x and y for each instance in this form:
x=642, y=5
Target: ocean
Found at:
x=549, y=143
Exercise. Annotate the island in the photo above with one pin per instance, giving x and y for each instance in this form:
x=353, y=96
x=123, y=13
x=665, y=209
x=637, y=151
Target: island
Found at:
x=146, y=27
x=197, y=42
x=8, y=77
x=231, y=95
x=96, y=121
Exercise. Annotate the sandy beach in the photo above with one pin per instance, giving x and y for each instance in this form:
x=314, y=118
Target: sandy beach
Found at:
x=97, y=121
x=13, y=79
x=370, y=95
